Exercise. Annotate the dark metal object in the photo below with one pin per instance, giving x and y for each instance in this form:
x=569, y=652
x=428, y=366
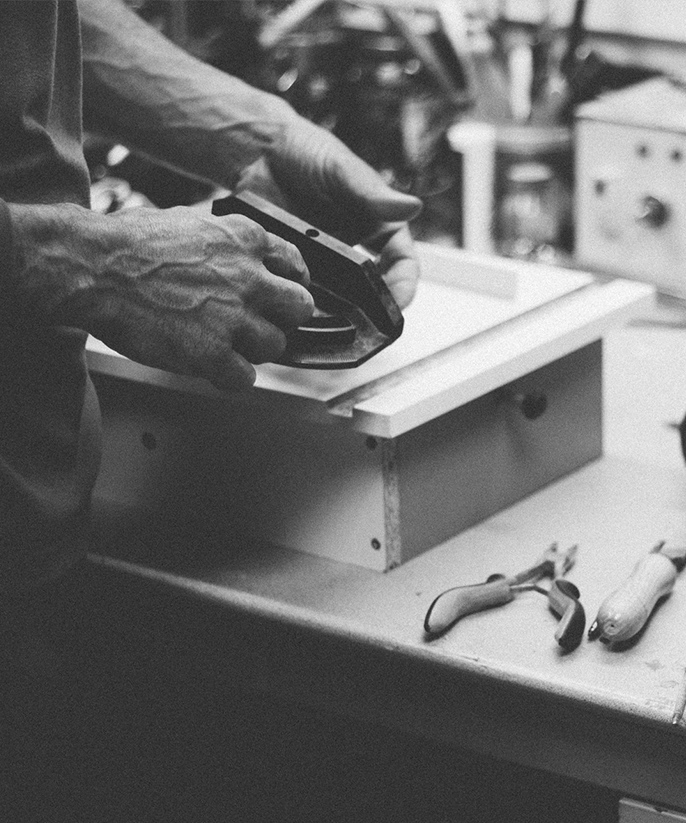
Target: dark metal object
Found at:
x=575, y=36
x=356, y=314
x=324, y=330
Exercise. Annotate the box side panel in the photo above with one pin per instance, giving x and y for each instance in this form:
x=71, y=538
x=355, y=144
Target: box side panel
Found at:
x=246, y=474
x=474, y=461
x=633, y=811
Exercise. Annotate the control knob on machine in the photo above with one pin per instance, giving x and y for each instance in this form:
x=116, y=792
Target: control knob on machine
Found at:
x=653, y=212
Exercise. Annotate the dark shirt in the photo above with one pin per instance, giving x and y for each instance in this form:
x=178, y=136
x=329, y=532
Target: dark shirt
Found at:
x=49, y=421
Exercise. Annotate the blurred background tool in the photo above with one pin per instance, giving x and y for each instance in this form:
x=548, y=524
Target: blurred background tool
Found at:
x=515, y=144
x=522, y=78
x=573, y=40
x=491, y=86
x=427, y=55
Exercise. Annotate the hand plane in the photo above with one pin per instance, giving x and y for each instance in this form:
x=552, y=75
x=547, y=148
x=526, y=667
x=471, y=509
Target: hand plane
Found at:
x=355, y=314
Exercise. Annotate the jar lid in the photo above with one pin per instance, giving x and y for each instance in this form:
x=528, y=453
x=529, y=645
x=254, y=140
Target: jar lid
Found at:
x=529, y=173
x=532, y=140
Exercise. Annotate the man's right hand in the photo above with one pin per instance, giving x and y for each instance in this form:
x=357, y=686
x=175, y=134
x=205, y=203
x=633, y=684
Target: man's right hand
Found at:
x=176, y=289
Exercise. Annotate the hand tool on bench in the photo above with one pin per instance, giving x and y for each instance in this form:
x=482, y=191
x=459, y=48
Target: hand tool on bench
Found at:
x=563, y=597
x=356, y=315
x=625, y=612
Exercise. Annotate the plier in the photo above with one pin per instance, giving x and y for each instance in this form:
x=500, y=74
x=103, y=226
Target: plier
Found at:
x=563, y=597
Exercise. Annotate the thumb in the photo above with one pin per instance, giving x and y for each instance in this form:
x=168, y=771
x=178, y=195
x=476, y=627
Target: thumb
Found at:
x=362, y=183
x=332, y=187
x=393, y=206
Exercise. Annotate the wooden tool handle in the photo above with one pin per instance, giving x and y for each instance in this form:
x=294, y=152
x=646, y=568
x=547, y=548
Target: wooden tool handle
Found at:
x=624, y=613
x=453, y=604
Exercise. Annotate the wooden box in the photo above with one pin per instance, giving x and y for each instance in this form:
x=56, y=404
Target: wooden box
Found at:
x=494, y=390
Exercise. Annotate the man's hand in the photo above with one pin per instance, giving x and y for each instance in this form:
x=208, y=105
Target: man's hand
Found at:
x=314, y=175
x=153, y=96
x=174, y=289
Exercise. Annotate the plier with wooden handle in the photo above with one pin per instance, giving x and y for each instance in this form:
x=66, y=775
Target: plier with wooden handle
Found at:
x=563, y=597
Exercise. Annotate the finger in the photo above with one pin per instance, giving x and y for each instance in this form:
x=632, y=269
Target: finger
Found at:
x=333, y=188
x=215, y=360
x=282, y=302
x=232, y=373
x=379, y=238
x=207, y=353
x=193, y=350
x=285, y=260
x=402, y=281
x=259, y=341
x=349, y=179
x=400, y=267
x=365, y=185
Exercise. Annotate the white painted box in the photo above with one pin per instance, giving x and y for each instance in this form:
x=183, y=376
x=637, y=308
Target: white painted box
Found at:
x=494, y=389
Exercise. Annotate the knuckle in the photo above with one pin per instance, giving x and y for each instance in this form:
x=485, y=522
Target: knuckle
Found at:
x=292, y=307
x=288, y=253
x=248, y=232
x=297, y=260
x=267, y=347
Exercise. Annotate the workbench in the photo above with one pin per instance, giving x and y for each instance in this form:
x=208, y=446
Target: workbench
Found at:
x=329, y=636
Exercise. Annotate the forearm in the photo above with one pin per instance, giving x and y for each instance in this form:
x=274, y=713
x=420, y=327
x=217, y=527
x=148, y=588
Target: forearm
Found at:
x=155, y=97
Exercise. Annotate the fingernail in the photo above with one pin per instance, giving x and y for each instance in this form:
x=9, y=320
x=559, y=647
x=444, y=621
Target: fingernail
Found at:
x=407, y=205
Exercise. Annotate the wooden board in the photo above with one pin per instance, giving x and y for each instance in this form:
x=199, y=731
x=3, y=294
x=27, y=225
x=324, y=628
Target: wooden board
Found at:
x=477, y=323
x=501, y=356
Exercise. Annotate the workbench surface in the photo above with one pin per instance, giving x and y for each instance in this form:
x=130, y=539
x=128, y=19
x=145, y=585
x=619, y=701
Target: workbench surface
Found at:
x=331, y=634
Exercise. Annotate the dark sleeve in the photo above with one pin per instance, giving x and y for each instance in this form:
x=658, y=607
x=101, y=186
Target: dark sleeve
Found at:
x=6, y=244
x=6, y=255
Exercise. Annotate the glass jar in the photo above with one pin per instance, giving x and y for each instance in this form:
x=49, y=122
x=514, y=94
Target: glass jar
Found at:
x=533, y=190
x=529, y=218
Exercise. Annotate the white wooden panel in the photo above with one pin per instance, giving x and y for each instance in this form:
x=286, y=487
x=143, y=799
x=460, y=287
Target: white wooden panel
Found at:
x=474, y=461
x=452, y=305
x=503, y=357
x=458, y=345
x=631, y=811
x=175, y=460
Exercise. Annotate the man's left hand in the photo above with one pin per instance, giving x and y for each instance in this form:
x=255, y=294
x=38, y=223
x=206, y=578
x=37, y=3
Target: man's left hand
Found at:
x=312, y=174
